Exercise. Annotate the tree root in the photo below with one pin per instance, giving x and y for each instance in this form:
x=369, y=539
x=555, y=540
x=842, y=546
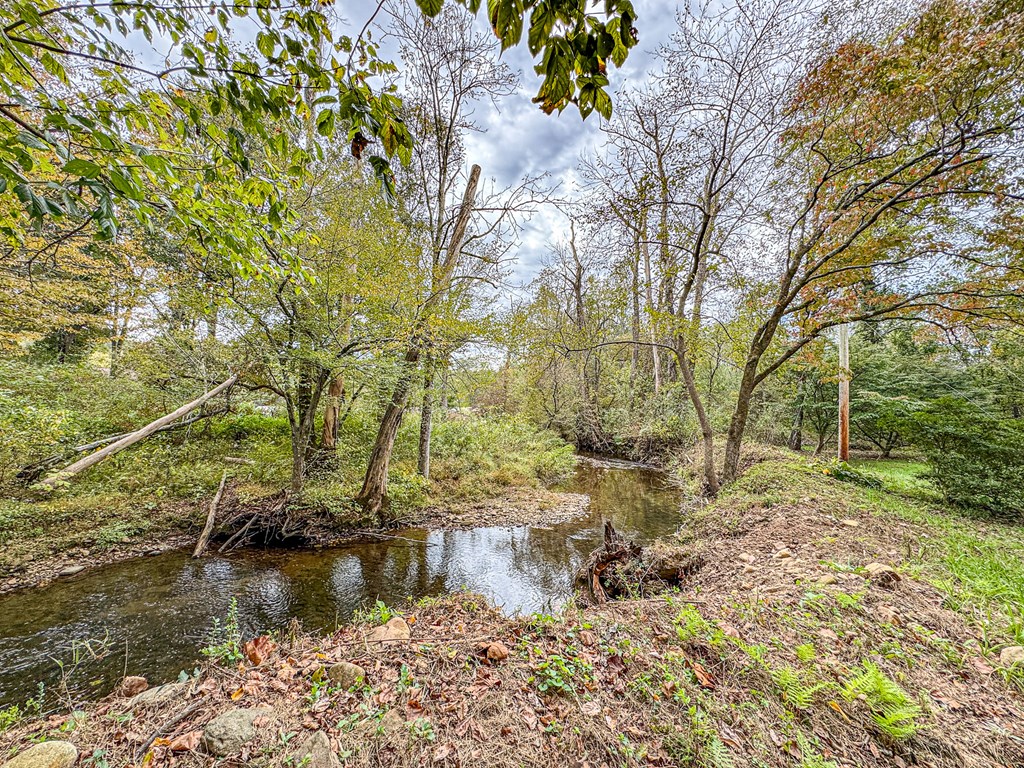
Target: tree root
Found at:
x=623, y=569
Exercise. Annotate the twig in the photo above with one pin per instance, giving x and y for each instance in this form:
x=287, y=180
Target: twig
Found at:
x=165, y=727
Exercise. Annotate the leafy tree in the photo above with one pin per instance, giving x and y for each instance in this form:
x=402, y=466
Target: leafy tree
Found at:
x=975, y=457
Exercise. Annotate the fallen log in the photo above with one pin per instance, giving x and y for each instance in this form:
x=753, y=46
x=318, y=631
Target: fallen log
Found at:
x=211, y=516
x=31, y=472
x=128, y=440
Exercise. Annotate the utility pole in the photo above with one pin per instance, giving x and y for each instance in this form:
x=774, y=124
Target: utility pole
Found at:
x=844, y=392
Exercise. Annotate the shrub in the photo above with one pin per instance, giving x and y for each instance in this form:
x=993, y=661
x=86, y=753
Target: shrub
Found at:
x=976, y=460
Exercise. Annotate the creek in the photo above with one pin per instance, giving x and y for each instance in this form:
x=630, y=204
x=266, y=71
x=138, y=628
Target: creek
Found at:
x=152, y=616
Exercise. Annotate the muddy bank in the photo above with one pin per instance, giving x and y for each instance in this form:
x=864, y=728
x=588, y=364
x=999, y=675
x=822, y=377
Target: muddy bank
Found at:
x=805, y=636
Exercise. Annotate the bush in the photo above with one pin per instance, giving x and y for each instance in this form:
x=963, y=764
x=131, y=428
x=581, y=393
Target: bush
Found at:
x=976, y=460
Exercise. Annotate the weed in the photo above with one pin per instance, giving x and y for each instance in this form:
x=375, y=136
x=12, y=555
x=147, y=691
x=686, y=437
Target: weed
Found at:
x=378, y=613
x=225, y=641
x=557, y=673
x=422, y=729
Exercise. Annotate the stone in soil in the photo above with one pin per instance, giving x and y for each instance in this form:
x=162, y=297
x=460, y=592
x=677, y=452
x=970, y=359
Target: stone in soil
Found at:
x=49, y=754
x=229, y=731
x=346, y=675
x=782, y=554
x=316, y=752
x=132, y=686
x=395, y=631
x=1013, y=654
x=71, y=570
x=882, y=574
x=161, y=694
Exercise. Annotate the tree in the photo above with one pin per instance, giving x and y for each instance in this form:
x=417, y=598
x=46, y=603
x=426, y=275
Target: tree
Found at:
x=373, y=494
x=448, y=66
x=89, y=163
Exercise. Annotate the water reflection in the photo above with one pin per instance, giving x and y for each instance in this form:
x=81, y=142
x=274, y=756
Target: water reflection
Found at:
x=155, y=612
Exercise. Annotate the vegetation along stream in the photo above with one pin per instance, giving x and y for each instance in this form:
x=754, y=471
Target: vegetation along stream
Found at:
x=152, y=616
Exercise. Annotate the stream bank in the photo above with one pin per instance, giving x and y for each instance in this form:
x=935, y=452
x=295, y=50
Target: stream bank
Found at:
x=788, y=647
x=151, y=616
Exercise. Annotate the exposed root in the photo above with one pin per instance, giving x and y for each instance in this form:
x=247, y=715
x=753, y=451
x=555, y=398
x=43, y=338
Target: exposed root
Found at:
x=622, y=568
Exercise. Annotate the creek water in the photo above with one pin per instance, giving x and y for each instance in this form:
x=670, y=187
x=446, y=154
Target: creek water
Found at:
x=151, y=616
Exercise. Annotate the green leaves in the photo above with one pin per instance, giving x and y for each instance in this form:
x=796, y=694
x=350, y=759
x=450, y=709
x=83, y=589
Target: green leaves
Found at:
x=430, y=7
x=82, y=168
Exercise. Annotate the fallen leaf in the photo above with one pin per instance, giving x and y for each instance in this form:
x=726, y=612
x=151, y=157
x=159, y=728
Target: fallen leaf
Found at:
x=591, y=708
x=186, y=742
x=705, y=678
x=835, y=705
x=258, y=649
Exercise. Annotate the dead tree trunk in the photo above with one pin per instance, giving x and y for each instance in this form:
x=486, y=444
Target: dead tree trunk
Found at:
x=130, y=439
x=332, y=410
x=211, y=516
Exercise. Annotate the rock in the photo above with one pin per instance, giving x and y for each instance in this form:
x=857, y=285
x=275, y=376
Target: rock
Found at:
x=395, y=631
x=346, y=674
x=316, y=752
x=746, y=557
x=71, y=570
x=749, y=569
x=851, y=523
x=827, y=579
x=161, y=694
x=228, y=732
x=48, y=754
x=1012, y=654
x=889, y=615
x=497, y=652
x=882, y=574
x=132, y=686
x=392, y=722
x=782, y=554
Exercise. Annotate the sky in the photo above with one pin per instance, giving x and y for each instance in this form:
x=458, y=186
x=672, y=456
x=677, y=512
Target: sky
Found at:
x=517, y=139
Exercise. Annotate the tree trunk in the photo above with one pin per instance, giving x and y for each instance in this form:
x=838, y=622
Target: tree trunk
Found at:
x=332, y=412
x=711, y=484
x=738, y=423
x=134, y=437
x=373, y=496
x=426, y=421
x=796, y=433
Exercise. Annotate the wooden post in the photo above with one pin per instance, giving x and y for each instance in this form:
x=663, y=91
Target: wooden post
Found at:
x=844, y=392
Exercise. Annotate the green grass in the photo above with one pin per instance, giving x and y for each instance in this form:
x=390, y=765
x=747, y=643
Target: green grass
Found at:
x=978, y=563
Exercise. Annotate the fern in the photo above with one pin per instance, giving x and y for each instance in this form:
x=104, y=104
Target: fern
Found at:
x=792, y=688
x=810, y=757
x=893, y=711
x=715, y=754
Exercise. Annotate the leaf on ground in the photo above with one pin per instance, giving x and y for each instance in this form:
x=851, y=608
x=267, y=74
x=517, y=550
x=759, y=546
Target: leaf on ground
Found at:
x=705, y=678
x=258, y=649
x=186, y=742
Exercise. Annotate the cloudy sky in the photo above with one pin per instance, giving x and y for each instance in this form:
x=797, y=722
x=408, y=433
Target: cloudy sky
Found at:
x=518, y=140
